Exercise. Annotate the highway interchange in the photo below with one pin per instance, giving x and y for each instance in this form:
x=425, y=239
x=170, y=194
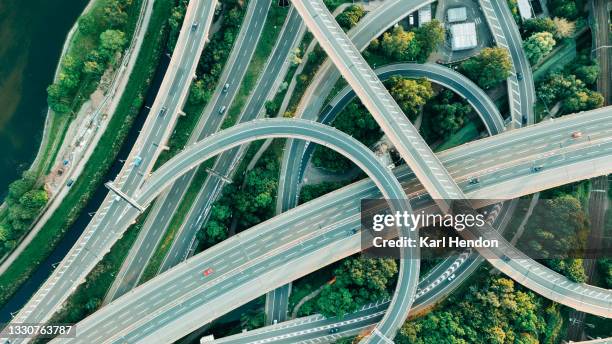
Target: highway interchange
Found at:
x=238, y=281
x=553, y=150
x=253, y=258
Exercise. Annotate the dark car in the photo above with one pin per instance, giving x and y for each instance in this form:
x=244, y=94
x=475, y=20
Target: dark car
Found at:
x=334, y=330
x=519, y=75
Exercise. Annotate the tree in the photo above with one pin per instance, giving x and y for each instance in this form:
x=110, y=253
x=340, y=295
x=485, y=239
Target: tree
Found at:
x=564, y=8
x=94, y=64
x=19, y=187
x=198, y=92
x=488, y=68
x=410, y=94
x=588, y=74
x=429, y=36
x=294, y=56
x=252, y=320
x=445, y=115
x=114, y=14
x=582, y=100
x=538, y=45
x=563, y=28
x=359, y=280
x=350, y=16
x=533, y=25
x=490, y=311
x=34, y=200
x=400, y=44
x=272, y=108
x=111, y=41
x=87, y=24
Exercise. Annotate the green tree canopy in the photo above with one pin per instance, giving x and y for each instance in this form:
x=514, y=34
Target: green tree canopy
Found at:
x=488, y=68
x=429, y=36
x=350, y=16
x=400, y=44
x=410, y=94
x=538, y=45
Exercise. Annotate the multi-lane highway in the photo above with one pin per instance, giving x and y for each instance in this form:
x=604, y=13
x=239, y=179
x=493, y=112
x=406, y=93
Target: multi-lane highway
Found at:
x=227, y=163
x=431, y=289
x=521, y=90
x=267, y=245
x=210, y=121
x=101, y=233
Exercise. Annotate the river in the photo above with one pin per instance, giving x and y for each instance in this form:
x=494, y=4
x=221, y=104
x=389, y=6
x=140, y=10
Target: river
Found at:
x=32, y=33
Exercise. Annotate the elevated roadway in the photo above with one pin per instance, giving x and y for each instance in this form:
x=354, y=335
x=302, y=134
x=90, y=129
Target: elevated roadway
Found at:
x=161, y=213
x=284, y=238
x=100, y=234
x=227, y=163
x=521, y=90
x=441, y=75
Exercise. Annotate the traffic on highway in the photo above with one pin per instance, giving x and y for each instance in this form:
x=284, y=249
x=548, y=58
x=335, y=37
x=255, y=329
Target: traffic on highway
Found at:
x=243, y=212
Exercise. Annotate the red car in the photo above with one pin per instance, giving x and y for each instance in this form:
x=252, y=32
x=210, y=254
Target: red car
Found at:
x=207, y=272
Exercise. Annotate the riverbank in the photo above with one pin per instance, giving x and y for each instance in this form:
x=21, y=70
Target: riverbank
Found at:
x=102, y=155
x=88, y=76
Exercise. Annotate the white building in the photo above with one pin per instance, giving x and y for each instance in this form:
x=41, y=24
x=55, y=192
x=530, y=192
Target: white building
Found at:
x=524, y=8
x=424, y=14
x=463, y=36
x=456, y=14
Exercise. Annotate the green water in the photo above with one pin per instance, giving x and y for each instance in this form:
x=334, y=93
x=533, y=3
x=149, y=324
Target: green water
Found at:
x=32, y=34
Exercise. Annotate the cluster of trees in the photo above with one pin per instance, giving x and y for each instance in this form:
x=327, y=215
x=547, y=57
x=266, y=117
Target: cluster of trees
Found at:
x=101, y=29
x=414, y=45
x=244, y=203
x=605, y=269
x=492, y=311
x=445, y=115
x=571, y=87
x=358, y=281
x=558, y=229
x=569, y=9
x=490, y=67
x=356, y=121
x=216, y=52
x=560, y=28
x=350, y=16
x=24, y=201
x=411, y=95
x=538, y=45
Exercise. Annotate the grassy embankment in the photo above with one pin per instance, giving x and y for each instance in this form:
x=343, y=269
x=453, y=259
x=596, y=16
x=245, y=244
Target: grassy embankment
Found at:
x=101, y=159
